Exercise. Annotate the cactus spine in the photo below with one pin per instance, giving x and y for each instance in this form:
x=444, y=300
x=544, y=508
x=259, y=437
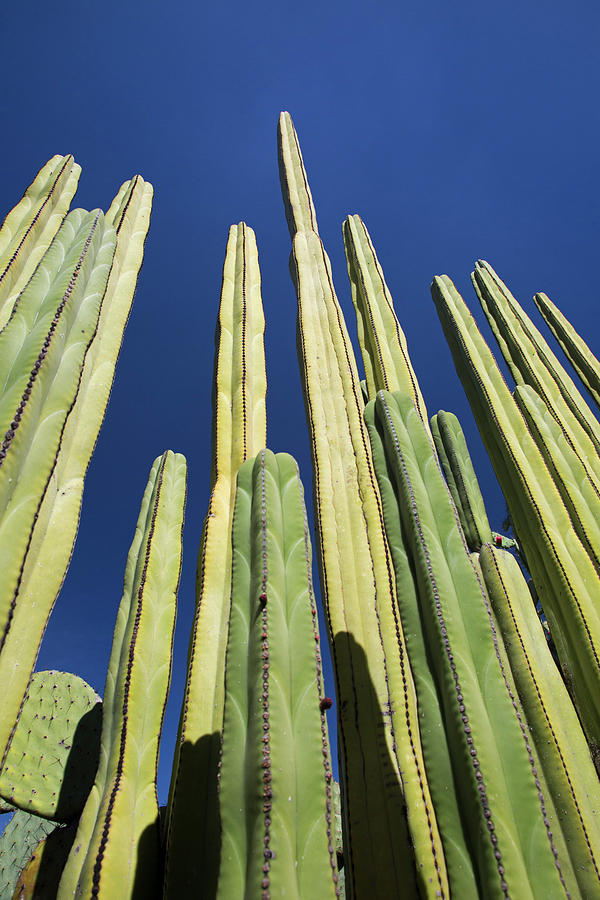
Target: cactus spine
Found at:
x=276, y=794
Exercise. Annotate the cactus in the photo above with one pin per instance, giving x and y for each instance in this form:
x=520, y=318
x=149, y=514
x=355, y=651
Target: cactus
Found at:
x=42, y=556
x=557, y=734
x=116, y=849
x=30, y=227
x=275, y=781
x=239, y=431
x=502, y=805
x=382, y=768
x=17, y=842
x=577, y=351
x=565, y=578
x=40, y=876
x=461, y=479
x=53, y=754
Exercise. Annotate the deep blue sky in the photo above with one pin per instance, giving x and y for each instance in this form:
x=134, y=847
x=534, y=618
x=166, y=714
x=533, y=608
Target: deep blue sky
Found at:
x=457, y=131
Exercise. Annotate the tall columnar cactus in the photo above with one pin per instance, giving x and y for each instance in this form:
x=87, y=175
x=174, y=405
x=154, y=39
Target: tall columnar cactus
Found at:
x=566, y=580
x=382, y=770
x=41, y=558
x=383, y=343
x=275, y=781
x=532, y=362
x=553, y=724
x=461, y=479
x=30, y=227
x=116, y=849
x=505, y=814
x=239, y=432
x=576, y=350
x=53, y=754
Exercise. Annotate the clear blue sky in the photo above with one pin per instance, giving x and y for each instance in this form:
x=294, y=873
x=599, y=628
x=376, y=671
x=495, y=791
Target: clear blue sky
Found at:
x=457, y=131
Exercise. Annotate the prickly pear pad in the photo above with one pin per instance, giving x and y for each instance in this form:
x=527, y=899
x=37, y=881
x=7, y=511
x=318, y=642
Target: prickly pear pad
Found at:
x=53, y=754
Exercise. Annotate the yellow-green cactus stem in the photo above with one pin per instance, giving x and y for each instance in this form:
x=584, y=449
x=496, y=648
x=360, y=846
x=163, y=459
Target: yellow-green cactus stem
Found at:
x=436, y=752
x=556, y=731
x=275, y=780
x=239, y=432
x=390, y=832
x=532, y=362
x=51, y=540
x=29, y=228
x=564, y=576
x=502, y=804
x=579, y=494
x=574, y=347
x=116, y=850
x=382, y=341
x=461, y=479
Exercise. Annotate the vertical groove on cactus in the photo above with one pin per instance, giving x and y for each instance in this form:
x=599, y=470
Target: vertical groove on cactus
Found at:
x=239, y=430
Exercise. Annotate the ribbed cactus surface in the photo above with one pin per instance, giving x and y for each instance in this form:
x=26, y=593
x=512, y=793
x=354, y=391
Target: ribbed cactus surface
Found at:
x=116, y=849
x=275, y=780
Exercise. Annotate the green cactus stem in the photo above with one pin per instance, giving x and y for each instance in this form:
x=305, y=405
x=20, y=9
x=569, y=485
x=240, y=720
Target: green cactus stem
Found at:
x=390, y=832
x=574, y=347
x=116, y=849
x=461, y=479
x=383, y=343
x=275, y=780
x=557, y=734
x=532, y=362
x=239, y=431
x=17, y=843
x=29, y=228
x=53, y=754
x=502, y=804
x=564, y=576
x=436, y=752
x=50, y=542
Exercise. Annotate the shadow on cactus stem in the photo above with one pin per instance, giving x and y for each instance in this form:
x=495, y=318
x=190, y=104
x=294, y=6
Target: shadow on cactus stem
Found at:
x=82, y=762
x=366, y=861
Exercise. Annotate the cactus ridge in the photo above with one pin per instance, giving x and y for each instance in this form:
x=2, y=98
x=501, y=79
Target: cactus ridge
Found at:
x=568, y=754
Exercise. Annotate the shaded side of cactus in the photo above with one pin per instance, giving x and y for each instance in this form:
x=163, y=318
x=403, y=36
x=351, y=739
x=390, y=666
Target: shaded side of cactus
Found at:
x=275, y=781
x=239, y=432
x=52, y=759
x=576, y=350
x=116, y=849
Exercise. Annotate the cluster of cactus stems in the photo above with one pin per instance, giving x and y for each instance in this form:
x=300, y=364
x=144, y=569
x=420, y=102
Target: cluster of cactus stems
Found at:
x=468, y=759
